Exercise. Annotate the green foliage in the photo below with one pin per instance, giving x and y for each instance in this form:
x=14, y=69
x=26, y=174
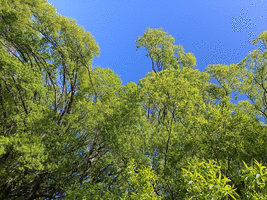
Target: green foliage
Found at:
x=72, y=131
x=162, y=52
x=254, y=178
x=141, y=183
x=138, y=183
x=204, y=181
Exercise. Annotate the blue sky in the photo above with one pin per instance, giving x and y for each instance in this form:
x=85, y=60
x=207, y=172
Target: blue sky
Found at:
x=215, y=31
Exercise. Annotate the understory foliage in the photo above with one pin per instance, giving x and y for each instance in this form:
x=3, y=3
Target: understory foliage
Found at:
x=72, y=131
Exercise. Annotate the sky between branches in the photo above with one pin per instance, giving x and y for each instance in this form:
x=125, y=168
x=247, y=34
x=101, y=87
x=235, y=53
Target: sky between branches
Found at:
x=216, y=32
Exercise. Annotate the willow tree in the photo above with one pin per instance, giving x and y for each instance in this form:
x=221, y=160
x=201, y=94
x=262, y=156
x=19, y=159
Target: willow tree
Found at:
x=162, y=51
x=70, y=130
x=191, y=118
x=63, y=123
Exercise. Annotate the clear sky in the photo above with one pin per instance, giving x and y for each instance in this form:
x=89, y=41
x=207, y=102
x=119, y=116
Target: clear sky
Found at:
x=215, y=31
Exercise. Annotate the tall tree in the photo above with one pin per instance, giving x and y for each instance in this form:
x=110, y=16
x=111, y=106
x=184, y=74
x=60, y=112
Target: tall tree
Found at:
x=72, y=131
x=192, y=118
x=63, y=124
x=162, y=51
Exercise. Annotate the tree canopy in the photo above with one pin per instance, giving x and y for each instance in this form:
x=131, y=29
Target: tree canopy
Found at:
x=73, y=131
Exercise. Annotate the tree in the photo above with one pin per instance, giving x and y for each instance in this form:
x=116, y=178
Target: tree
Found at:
x=162, y=52
x=62, y=122
x=190, y=117
x=70, y=130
